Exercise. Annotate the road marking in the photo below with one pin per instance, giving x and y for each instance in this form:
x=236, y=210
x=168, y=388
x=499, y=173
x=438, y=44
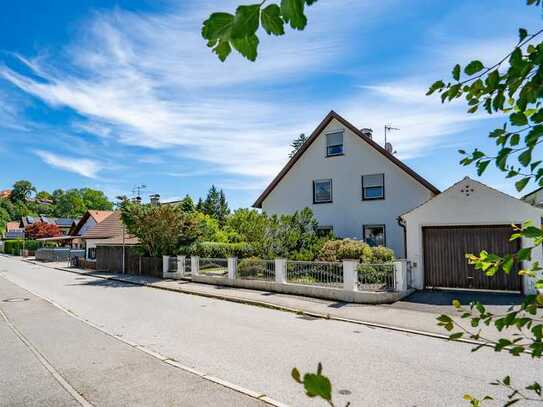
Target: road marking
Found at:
x=240, y=389
x=58, y=377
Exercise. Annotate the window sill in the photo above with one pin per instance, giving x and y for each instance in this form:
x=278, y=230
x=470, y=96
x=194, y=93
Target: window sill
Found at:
x=373, y=199
x=334, y=155
x=323, y=202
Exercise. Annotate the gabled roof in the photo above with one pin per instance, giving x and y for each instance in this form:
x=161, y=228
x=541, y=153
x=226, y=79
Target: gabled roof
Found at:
x=530, y=193
x=329, y=117
x=110, y=228
x=98, y=217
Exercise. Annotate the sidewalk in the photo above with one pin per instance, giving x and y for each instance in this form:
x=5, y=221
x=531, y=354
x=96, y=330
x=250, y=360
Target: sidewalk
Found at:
x=93, y=367
x=400, y=316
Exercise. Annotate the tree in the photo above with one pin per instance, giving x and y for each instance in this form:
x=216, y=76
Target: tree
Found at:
x=40, y=230
x=161, y=229
x=200, y=205
x=187, y=204
x=215, y=205
x=224, y=31
x=69, y=204
x=223, y=209
x=95, y=200
x=297, y=144
x=22, y=191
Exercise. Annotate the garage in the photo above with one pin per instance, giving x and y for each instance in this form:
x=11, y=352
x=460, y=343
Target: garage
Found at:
x=467, y=217
x=445, y=264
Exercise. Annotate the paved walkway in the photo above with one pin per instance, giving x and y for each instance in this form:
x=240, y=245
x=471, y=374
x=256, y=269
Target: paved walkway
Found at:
x=414, y=314
x=47, y=357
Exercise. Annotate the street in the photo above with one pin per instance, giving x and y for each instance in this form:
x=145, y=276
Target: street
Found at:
x=249, y=346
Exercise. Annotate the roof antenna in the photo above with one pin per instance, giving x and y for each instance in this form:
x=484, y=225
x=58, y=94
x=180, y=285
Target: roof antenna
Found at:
x=388, y=129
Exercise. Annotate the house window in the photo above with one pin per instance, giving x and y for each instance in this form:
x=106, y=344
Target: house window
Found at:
x=92, y=253
x=323, y=231
x=373, y=187
x=374, y=235
x=322, y=191
x=334, y=144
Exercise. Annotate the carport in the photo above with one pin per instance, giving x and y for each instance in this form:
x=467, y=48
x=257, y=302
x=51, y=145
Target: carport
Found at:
x=466, y=218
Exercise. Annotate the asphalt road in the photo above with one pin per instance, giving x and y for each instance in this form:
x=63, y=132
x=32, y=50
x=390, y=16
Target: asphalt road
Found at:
x=257, y=347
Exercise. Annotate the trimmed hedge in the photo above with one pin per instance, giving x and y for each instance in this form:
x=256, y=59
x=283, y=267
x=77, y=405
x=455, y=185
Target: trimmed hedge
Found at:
x=337, y=250
x=15, y=246
x=218, y=250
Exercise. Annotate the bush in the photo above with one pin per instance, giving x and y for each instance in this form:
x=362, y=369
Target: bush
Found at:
x=218, y=250
x=338, y=250
x=252, y=267
x=15, y=246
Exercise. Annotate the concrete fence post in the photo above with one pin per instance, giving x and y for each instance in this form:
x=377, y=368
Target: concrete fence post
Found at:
x=232, y=267
x=194, y=265
x=181, y=265
x=281, y=271
x=165, y=266
x=350, y=275
x=400, y=275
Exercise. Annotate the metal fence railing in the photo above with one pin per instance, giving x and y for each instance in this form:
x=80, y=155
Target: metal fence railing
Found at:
x=256, y=269
x=172, y=264
x=376, y=277
x=187, y=267
x=409, y=269
x=213, y=267
x=318, y=273
x=58, y=254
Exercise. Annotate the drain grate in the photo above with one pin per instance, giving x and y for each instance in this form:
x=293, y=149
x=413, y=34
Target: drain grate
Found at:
x=16, y=299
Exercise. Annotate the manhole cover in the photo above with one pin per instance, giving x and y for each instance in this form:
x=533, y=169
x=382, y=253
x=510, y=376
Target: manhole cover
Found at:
x=16, y=299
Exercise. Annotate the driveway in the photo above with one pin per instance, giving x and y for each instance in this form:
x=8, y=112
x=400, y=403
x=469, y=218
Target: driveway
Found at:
x=439, y=301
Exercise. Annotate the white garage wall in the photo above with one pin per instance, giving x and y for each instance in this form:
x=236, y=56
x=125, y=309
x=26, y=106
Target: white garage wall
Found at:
x=467, y=202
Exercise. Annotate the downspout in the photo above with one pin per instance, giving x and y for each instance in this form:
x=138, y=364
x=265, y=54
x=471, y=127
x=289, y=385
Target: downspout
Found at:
x=401, y=222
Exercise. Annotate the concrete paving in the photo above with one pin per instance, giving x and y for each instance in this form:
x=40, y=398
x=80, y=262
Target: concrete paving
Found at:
x=102, y=369
x=257, y=347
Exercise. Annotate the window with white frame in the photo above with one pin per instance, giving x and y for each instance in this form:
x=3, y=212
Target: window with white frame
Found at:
x=334, y=144
x=373, y=187
x=322, y=191
x=374, y=235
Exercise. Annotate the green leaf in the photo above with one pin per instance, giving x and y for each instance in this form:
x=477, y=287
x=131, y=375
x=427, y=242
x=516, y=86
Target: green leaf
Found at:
x=435, y=86
x=525, y=157
x=481, y=167
x=296, y=375
x=519, y=185
x=272, y=21
x=455, y=336
x=456, y=72
x=246, y=21
x=310, y=2
x=292, y=12
x=492, y=80
x=473, y=67
x=217, y=26
x=518, y=119
x=318, y=385
x=222, y=50
x=537, y=117
x=522, y=33
x=246, y=46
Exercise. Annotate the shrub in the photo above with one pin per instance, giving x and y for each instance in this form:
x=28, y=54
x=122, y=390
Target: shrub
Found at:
x=338, y=250
x=218, y=250
x=252, y=267
x=15, y=246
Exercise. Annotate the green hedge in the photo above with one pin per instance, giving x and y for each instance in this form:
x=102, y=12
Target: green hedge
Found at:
x=218, y=250
x=15, y=246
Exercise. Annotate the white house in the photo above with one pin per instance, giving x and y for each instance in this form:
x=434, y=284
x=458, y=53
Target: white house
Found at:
x=534, y=198
x=354, y=186
x=466, y=218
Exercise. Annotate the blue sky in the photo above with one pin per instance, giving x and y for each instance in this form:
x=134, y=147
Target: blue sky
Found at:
x=112, y=94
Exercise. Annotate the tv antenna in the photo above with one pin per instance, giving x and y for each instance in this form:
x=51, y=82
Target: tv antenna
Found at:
x=388, y=129
x=137, y=190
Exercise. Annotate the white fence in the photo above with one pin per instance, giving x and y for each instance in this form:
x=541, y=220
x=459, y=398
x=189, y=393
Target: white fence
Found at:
x=346, y=281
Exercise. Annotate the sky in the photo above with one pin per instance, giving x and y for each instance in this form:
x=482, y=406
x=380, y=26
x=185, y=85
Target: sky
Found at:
x=115, y=94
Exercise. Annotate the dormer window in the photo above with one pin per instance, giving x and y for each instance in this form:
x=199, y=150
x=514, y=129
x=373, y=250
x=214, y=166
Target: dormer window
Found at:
x=334, y=144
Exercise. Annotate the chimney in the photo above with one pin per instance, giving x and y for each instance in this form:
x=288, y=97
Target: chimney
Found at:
x=367, y=132
x=155, y=199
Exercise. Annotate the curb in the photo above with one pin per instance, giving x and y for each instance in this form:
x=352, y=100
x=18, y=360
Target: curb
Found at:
x=276, y=307
x=172, y=362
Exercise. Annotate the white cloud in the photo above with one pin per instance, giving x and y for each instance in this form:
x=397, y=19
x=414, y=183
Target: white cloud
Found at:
x=82, y=166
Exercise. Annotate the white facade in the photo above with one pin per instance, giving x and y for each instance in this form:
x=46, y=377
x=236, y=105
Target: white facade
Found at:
x=467, y=202
x=348, y=212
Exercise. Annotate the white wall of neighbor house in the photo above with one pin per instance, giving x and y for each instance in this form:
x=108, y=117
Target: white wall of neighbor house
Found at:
x=454, y=207
x=90, y=244
x=348, y=212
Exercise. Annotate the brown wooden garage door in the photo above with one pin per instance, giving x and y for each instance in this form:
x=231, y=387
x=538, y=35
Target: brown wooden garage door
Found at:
x=445, y=264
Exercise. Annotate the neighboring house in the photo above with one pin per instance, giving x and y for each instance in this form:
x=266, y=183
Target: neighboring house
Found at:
x=89, y=220
x=355, y=187
x=13, y=231
x=5, y=194
x=64, y=224
x=110, y=231
x=466, y=218
x=534, y=198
